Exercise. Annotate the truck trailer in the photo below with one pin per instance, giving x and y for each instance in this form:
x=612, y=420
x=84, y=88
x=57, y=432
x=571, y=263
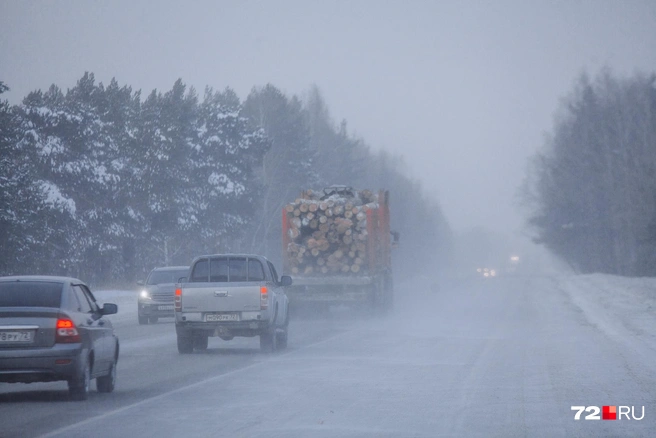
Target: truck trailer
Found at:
x=337, y=247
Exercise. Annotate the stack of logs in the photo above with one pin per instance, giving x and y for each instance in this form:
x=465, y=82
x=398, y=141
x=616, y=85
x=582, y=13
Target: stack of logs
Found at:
x=329, y=236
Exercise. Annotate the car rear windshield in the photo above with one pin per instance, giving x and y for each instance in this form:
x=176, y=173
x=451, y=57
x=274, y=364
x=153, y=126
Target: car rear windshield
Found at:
x=222, y=270
x=164, y=277
x=30, y=294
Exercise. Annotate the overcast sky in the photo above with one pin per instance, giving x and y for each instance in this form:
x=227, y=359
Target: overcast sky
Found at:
x=465, y=91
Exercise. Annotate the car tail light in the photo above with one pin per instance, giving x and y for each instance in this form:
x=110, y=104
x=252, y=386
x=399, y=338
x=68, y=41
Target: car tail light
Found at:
x=178, y=300
x=66, y=332
x=264, y=298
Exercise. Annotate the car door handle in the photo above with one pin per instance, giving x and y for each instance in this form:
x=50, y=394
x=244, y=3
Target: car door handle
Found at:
x=101, y=323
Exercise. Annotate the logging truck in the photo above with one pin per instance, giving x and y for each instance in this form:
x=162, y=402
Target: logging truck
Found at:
x=337, y=247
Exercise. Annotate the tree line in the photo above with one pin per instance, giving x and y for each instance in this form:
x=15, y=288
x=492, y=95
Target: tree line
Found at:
x=104, y=184
x=592, y=189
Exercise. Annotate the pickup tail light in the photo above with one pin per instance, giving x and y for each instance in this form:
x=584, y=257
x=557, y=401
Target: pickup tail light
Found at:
x=66, y=332
x=178, y=300
x=264, y=298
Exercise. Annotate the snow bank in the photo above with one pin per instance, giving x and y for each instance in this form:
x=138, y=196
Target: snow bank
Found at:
x=623, y=308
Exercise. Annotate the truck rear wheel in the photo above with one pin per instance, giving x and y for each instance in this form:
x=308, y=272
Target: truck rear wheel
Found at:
x=185, y=342
x=389, y=293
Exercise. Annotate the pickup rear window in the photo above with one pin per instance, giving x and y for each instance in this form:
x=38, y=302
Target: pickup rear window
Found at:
x=30, y=294
x=224, y=269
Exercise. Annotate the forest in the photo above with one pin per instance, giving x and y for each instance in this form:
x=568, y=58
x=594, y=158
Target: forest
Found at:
x=103, y=183
x=590, y=192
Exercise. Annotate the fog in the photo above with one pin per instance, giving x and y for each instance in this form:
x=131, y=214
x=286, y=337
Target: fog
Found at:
x=464, y=91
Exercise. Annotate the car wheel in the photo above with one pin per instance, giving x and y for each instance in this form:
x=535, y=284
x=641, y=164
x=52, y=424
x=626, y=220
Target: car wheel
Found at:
x=200, y=342
x=107, y=383
x=282, y=335
x=185, y=342
x=78, y=386
x=269, y=341
x=153, y=320
x=143, y=320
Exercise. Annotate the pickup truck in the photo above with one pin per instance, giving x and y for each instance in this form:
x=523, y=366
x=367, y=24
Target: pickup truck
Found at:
x=228, y=295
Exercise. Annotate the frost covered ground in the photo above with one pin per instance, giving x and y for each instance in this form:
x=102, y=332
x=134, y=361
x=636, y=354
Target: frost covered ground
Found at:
x=496, y=357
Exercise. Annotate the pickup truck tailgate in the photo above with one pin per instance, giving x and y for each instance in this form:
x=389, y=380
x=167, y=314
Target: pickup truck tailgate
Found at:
x=221, y=299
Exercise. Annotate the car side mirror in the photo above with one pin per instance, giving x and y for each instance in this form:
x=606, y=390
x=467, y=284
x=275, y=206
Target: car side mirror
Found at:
x=285, y=280
x=109, y=309
x=140, y=283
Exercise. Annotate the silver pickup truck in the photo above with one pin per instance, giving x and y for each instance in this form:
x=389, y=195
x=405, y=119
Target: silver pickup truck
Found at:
x=228, y=295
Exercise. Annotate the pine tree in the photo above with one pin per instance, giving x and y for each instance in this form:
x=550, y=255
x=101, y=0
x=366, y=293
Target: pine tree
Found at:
x=22, y=201
x=166, y=137
x=225, y=189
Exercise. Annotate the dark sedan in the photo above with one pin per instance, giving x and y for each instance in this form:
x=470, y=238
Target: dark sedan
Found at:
x=51, y=329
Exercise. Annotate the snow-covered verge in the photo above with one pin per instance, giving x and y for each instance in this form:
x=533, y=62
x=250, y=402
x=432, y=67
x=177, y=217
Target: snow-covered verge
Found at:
x=116, y=296
x=623, y=308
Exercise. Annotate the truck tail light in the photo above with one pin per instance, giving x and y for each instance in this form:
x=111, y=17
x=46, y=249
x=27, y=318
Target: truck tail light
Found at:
x=178, y=300
x=66, y=332
x=264, y=298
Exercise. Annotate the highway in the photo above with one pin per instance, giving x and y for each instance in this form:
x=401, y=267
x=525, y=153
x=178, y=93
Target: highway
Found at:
x=500, y=357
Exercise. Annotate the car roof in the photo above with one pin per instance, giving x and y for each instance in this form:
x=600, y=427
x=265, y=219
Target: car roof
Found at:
x=170, y=268
x=44, y=278
x=232, y=255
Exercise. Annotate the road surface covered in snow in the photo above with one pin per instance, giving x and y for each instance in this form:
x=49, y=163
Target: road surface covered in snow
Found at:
x=504, y=356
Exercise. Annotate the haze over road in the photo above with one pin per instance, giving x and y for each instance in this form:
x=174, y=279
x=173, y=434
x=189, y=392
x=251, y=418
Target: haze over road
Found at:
x=504, y=357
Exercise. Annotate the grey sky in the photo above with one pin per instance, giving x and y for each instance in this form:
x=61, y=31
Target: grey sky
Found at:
x=464, y=90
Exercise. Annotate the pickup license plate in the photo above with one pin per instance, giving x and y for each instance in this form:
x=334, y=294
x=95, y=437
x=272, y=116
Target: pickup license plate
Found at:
x=16, y=336
x=222, y=317
x=165, y=307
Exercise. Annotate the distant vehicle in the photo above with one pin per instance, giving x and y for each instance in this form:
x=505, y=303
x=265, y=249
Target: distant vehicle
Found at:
x=51, y=329
x=228, y=295
x=513, y=264
x=487, y=272
x=156, y=295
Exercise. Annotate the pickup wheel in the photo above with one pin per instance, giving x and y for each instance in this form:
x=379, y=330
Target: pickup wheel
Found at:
x=185, y=342
x=281, y=339
x=269, y=341
x=200, y=341
x=283, y=334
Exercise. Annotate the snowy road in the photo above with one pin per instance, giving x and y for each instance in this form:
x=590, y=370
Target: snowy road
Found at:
x=487, y=357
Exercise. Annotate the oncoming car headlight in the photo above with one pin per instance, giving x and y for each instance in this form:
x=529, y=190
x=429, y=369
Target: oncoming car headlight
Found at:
x=144, y=294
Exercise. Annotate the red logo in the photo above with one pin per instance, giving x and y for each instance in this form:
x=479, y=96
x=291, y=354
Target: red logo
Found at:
x=609, y=413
